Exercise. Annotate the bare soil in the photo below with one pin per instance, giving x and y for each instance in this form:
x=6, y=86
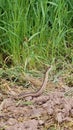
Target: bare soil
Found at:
x=53, y=110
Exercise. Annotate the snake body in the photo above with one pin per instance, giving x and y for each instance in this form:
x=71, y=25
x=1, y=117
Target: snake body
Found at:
x=40, y=90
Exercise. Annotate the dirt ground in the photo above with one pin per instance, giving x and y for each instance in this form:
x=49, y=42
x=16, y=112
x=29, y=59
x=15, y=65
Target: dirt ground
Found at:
x=52, y=110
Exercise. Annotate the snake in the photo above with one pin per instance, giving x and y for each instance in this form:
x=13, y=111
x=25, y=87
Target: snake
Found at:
x=40, y=90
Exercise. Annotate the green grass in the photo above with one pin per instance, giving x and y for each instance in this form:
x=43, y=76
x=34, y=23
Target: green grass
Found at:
x=34, y=33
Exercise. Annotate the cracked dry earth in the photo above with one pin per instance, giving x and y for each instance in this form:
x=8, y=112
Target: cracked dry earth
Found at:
x=50, y=111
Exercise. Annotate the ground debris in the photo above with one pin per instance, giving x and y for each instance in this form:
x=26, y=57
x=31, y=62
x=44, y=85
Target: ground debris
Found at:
x=42, y=112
